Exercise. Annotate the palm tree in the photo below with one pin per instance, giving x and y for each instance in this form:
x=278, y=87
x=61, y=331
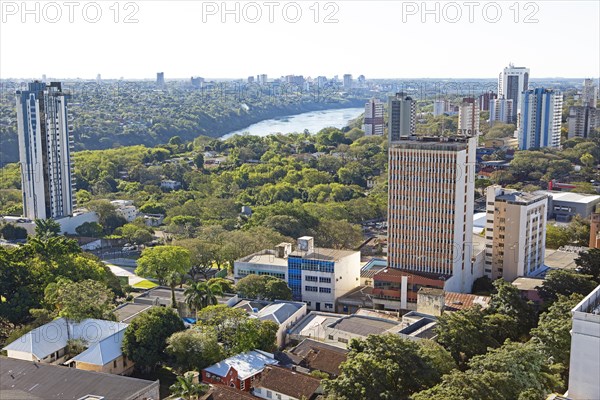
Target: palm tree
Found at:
x=186, y=387
x=201, y=294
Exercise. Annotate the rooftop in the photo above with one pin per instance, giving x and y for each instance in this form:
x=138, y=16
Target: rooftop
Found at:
x=522, y=198
x=571, y=197
x=126, y=312
x=279, y=312
x=560, y=259
x=29, y=380
x=373, y=266
x=288, y=382
x=53, y=336
x=267, y=257
x=246, y=364
x=320, y=253
x=320, y=356
x=363, y=326
x=222, y=392
x=590, y=304
x=525, y=283
x=459, y=301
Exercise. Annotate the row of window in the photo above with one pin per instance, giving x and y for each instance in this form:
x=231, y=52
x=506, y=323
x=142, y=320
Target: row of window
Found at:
x=317, y=289
x=321, y=279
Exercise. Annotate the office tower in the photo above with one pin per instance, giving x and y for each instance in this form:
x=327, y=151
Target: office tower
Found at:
x=468, y=117
x=347, y=81
x=402, y=117
x=439, y=107
x=511, y=83
x=541, y=117
x=589, y=93
x=430, y=208
x=160, y=79
x=584, y=367
x=515, y=233
x=45, y=145
x=501, y=110
x=484, y=100
x=374, y=123
x=98, y=79
x=582, y=121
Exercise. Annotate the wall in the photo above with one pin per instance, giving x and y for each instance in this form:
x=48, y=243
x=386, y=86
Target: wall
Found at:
x=123, y=366
x=283, y=328
x=69, y=224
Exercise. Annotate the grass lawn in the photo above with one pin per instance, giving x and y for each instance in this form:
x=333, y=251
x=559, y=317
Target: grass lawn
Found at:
x=145, y=284
x=164, y=374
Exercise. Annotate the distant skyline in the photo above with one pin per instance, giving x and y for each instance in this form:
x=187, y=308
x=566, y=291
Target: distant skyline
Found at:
x=378, y=39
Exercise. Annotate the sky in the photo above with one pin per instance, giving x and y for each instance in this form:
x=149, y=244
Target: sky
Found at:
x=236, y=39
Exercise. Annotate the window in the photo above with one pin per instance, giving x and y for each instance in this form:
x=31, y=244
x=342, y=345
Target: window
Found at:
x=278, y=396
x=310, y=278
x=269, y=394
x=324, y=290
x=311, y=288
x=324, y=280
x=242, y=385
x=328, y=305
x=115, y=364
x=342, y=340
x=330, y=337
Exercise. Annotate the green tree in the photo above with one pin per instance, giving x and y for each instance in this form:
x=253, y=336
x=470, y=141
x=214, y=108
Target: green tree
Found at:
x=144, y=341
x=508, y=301
x=107, y=216
x=553, y=330
x=565, y=282
x=387, y=367
x=338, y=234
x=199, y=160
x=195, y=349
x=202, y=294
x=164, y=263
x=89, y=229
x=79, y=300
x=225, y=284
x=263, y=287
x=186, y=388
x=46, y=228
x=588, y=263
x=13, y=232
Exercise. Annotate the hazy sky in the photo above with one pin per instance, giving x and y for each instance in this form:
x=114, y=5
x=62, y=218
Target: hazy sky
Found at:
x=380, y=39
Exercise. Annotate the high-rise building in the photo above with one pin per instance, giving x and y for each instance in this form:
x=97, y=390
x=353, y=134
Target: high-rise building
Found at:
x=468, y=117
x=98, y=79
x=402, y=117
x=484, y=100
x=45, y=145
x=347, y=81
x=515, y=233
x=582, y=121
x=589, y=93
x=439, y=107
x=374, y=123
x=511, y=83
x=541, y=118
x=160, y=79
x=501, y=110
x=584, y=367
x=430, y=208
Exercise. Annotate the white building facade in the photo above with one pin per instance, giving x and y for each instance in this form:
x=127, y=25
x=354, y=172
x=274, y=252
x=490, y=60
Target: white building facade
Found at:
x=374, y=123
x=512, y=81
x=501, y=110
x=468, y=117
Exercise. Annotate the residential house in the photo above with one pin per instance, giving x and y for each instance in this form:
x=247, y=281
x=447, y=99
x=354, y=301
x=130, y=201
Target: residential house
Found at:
x=239, y=371
x=48, y=344
x=284, y=384
x=311, y=355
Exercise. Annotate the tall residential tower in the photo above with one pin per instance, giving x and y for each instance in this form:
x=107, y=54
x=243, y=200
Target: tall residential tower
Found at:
x=374, y=123
x=511, y=83
x=45, y=145
x=541, y=118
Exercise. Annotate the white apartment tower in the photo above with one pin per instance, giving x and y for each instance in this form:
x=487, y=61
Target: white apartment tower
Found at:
x=374, y=123
x=45, y=145
x=515, y=233
x=430, y=208
x=583, y=121
x=439, y=107
x=541, y=118
x=501, y=110
x=468, y=117
x=512, y=81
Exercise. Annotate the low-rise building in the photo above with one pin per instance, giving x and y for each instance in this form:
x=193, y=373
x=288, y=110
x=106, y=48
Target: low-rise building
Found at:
x=48, y=344
x=528, y=288
x=125, y=209
x=21, y=379
x=563, y=206
x=317, y=276
x=283, y=313
x=280, y=383
x=239, y=371
x=311, y=355
x=168, y=184
x=584, y=368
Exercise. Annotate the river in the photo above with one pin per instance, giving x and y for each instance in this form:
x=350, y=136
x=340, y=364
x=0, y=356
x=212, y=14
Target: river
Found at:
x=314, y=121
